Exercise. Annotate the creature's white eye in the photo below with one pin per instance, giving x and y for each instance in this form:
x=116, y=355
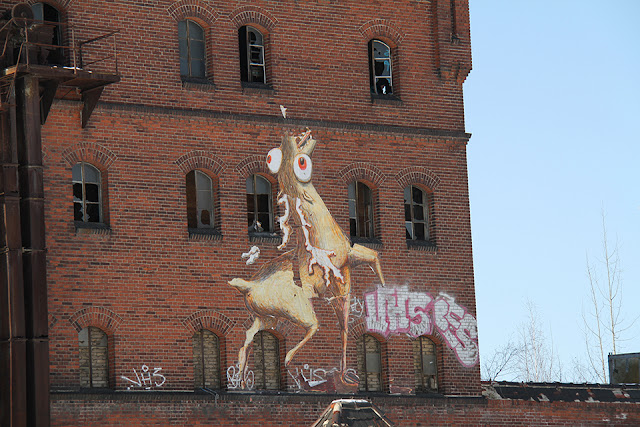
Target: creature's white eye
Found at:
x=274, y=160
x=302, y=167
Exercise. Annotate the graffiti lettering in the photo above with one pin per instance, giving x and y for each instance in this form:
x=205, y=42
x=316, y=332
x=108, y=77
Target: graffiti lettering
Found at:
x=400, y=311
x=233, y=377
x=144, y=378
x=317, y=379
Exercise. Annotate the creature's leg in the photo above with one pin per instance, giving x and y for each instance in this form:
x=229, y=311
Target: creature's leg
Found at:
x=311, y=323
x=341, y=304
x=257, y=326
x=362, y=255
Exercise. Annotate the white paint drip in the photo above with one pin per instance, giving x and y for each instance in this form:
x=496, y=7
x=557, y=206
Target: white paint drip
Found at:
x=318, y=256
x=284, y=221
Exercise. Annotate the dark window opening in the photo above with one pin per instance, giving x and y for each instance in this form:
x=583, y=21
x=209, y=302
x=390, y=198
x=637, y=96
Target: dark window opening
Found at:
x=51, y=33
x=94, y=358
x=380, y=68
x=252, y=65
x=360, y=210
x=416, y=213
x=259, y=205
x=200, y=198
x=192, y=50
x=87, y=193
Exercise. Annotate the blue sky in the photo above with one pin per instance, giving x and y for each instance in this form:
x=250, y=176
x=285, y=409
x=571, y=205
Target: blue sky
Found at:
x=553, y=104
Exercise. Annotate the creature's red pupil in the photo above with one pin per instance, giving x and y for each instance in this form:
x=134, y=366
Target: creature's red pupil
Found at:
x=303, y=163
x=269, y=158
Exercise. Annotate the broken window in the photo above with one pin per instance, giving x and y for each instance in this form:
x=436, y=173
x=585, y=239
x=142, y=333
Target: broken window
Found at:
x=192, y=48
x=206, y=359
x=369, y=363
x=416, y=213
x=360, y=210
x=87, y=193
x=259, y=205
x=52, y=32
x=266, y=361
x=200, y=198
x=380, y=68
x=94, y=358
x=425, y=365
x=252, y=66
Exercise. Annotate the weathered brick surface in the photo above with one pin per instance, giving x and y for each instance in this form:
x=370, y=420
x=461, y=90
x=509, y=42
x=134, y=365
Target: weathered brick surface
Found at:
x=298, y=410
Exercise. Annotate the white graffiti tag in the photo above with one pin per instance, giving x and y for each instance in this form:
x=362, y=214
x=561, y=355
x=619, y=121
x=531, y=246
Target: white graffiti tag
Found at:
x=144, y=380
x=400, y=311
x=307, y=377
x=233, y=377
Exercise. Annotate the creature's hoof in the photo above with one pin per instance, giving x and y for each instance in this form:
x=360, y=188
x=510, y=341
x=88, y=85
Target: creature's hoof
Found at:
x=349, y=378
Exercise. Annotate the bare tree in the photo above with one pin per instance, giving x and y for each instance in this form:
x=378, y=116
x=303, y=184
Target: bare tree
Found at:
x=536, y=358
x=501, y=362
x=603, y=324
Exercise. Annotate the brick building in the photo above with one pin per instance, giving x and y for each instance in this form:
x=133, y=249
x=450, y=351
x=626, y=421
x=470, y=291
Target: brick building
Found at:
x=153, y=193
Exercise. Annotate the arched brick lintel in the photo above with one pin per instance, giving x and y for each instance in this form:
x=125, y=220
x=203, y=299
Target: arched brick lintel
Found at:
x=100, y=317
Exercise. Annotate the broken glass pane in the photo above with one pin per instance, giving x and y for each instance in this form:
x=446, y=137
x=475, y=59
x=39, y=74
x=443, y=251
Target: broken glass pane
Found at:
x=205, y=217
x=418, y=213
x=77, y=192
x=77, y=212
x=407, y=194
x=250, y=203
x=419, y=229
x=408, y=230
x=263, y=202
x=93, y=212
x=91, y=193
x=417, y=195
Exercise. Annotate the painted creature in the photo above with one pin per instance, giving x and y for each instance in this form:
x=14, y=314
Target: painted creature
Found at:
x=323, y=256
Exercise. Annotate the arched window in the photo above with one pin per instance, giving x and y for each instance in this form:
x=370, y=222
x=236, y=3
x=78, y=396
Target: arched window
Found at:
x=425, y=365
x=206, y=359
x=200, y=201
x=416, y=213
x=380, y=68
x=259, y=205
x=266, y=356
x=360, y=210
x=87, y=193
x=94, y=358
x=369, y=363
x=192, y=49
x=53, y=19
x=252, y=64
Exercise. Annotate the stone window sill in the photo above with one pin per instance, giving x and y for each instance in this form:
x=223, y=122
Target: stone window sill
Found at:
x=370, y=242
x=203, y=85
x=258, y=89
x=271, y=238
x=386, y=100
x=422, y=245
x=204, y=234
x=91, y=228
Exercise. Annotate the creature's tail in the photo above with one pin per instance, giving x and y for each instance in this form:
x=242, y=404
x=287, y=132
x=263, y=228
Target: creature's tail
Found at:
x=241, y=285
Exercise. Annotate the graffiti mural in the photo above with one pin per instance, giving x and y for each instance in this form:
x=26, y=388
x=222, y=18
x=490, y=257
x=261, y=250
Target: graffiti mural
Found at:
x=401, y=311
x=234, y=380
x=145, y=379
x=307, y=378
x=322, y=255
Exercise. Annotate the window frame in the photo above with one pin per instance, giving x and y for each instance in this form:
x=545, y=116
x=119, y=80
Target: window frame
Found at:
x=56, y=54
x=246, y=64
x=193, y=202
x=364, y=372
x=419, y=368
x=263, y=368
x=271, y=230
x=428, y=217
x=89, y=345
x=373, y=77
x=190, y=77
x=355, y=226
x=83, y=202
x=202, y=362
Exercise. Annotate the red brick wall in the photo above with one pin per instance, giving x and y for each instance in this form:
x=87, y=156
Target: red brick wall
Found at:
x=255, y=410
x=145, y=281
